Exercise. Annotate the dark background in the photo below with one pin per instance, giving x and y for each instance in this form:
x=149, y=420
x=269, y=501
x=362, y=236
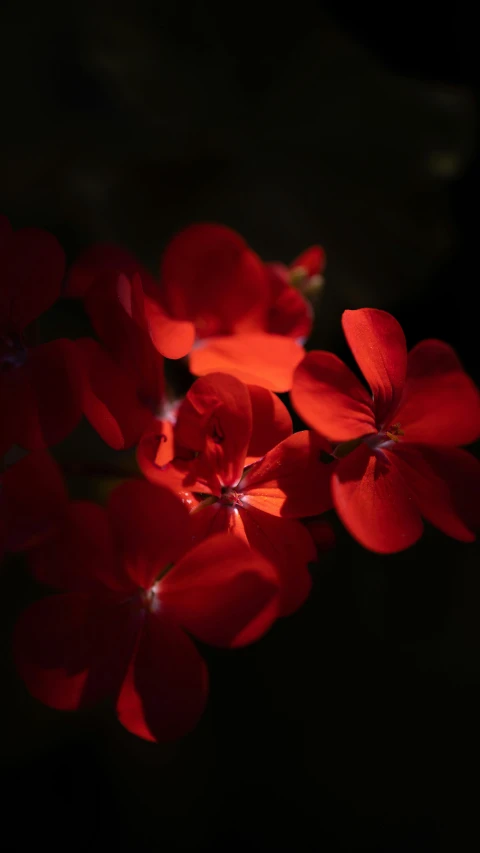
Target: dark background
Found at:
x=353, y=726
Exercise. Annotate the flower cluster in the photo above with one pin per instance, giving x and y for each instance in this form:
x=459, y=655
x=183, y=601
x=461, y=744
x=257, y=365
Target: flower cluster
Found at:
x=214, y=536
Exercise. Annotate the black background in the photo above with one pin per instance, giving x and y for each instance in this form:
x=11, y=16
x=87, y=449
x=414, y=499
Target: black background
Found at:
x=353, y=726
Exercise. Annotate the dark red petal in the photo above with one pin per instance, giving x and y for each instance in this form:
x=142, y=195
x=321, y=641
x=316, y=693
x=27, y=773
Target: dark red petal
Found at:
x=321, y=532
x=291, y=480
x=445, y=482
x=271, y=421
x=312, y=260
x=128, y=344
x=216, y=418
x=440, y=403
x=210, y=276
x=42, y=400
x=257, y=359
x=32, y=268
x=329, y=398
x=34, y=500
x=72, y=650
x=151, y=528
x=81, y=557
x=110, y=400
x=179, y=476
x=220, y=589
x=98, y=262
x=378, y=344
x=172, y=338
x=165, y=689
x=374, y=502
x=290, y=313
x=287, y=544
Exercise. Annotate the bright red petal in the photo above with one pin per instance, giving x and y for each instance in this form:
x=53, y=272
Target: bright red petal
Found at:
x=330, y=399
x=110, y=400
x=374, y=502
x=32, y=264
x=378, y=344
x=34, y=500
x=257, y=359
x=220, y=589
x=445, y=482
x=271, y=421
x=72, y=651
x=210, y=276
x=42, y=400
x=291, y=480
x=165, y=690
x=440, y=404
x=81, y=557
x=150, y=526
x=98, y=262
x=216, y=418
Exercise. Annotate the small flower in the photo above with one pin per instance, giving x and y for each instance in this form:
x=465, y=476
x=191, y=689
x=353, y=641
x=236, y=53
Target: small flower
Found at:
x=133, y=593
x=40, y=386
x=239, y=469
x=398, y=449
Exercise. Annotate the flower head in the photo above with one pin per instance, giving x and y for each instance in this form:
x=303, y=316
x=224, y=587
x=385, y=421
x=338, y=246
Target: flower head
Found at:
x=398, y=446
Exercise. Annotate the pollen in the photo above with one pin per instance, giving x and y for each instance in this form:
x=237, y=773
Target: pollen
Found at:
x=395, y=432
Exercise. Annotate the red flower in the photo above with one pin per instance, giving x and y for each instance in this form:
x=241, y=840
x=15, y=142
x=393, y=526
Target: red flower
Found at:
x=239, y=468
x=119, y=629
x=125, y=388
x=398, y=451
x=32, y=502
x=40, y=386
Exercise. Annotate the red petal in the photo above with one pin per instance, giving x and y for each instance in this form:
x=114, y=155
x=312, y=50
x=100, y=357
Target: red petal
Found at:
x=81, y=557
x=445, y=482
x=34, y=500
x=182, y=477
x=440, y=404
x=216, y=418
x=286, y=543
x=32, y=264
x=166, y=687
x=71, y=651
x=312, y=260
x=374, y=502
x=271, y=421
x=151, y=528
x=220, y=589
x=290, y=313
x=322, y=534
x=42, y=400
x=378, y=344
x=110, y=400
x=98, y=262
x=329, y=398
x=282, y=541
x=291, y=480
x=172, y=338
x=260, y=359
x=128, y=344
x=211, y=277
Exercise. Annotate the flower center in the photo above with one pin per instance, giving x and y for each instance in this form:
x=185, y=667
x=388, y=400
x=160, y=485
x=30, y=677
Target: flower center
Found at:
x=230, y=497
x=13, y=352
x=383, y=439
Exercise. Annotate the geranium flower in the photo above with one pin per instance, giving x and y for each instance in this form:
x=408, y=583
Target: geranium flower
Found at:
x=246, y=316
x=239, y=469
x=32, y=502
x=398, y=446
x=40, y=386
x=133, y=593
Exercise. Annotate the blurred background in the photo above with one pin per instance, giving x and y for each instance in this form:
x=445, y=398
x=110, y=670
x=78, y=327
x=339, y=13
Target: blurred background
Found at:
x=353, y=726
